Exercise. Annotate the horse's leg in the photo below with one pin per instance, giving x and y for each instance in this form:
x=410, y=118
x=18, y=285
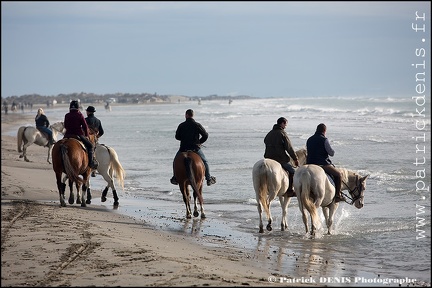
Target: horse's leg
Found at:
x=104, y=193
x=269, y=217
x=71, y=194
x=186, y=199
x=109, y=179
x=61, y=187
x=25, y=151
x=195, y=213
x=284, y=200
x=83, y=194
x=261, y=225
x=116, y=198
x=203, y=216
x=49, y=153
x=332, y=210
x=89, y=196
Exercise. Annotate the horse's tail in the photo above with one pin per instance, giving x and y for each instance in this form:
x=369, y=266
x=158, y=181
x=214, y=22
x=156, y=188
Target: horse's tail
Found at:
x=261, y=187
x=191, y=176
x=119, y=172
x=306, y=200
x=20, y=136
x=68, y=166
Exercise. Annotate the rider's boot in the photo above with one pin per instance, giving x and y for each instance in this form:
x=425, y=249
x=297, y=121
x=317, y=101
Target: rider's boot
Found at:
x=338, y=193
x=290, y=192
x=92, y=162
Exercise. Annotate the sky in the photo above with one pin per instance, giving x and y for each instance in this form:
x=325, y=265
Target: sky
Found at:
x=260, y=49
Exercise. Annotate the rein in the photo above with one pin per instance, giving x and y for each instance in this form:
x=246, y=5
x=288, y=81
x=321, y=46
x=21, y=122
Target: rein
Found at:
x=351, y=192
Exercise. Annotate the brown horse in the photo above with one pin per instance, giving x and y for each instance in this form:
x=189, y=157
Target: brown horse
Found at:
x=189, y=169
x=69, y=156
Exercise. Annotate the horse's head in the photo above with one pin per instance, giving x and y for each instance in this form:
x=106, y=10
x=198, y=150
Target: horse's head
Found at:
x=357, y=193
x=301, y=156
x=59, y=127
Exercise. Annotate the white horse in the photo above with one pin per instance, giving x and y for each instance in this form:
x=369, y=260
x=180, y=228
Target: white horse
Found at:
x=109, y=167
x=27, y=135
x=314, y=189
x=271, y=180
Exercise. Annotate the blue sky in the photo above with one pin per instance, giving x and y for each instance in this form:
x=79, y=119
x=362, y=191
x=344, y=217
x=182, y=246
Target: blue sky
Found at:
x=262, y=49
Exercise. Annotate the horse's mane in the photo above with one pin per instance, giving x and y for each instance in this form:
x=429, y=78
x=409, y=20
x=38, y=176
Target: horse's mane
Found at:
x=345, y=174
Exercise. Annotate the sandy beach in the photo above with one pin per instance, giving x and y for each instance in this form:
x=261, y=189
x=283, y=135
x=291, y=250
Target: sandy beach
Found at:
x=43, y=244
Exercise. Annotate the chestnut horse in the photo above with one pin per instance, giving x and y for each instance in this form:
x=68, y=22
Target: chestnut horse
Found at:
x=69, y=156
x=189, y=169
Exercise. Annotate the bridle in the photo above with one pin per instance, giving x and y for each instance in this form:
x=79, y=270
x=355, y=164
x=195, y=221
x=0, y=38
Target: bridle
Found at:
x=356, y=193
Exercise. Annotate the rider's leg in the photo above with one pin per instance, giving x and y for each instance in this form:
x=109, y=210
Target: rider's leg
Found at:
x=92, y=163
x=210, y=179
x=330, y=169
x=173, y=179
x=291, y=172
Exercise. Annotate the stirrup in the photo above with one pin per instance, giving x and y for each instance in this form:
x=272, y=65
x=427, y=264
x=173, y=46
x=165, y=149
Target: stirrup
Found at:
x=211, y=181
x=174, y=181
x=339, y=198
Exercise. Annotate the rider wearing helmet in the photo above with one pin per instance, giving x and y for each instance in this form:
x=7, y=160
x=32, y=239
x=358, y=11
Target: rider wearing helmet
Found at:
x=76, y=127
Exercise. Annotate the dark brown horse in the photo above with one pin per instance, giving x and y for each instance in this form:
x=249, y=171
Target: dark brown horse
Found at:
x=189, y=169
x=70, y=157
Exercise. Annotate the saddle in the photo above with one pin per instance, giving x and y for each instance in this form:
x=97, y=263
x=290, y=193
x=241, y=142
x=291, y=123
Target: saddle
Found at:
x=78, y=140
x=331, y=179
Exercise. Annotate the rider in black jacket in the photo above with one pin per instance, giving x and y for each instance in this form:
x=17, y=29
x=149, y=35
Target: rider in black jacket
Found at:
x=191, y=135
x=318, y=152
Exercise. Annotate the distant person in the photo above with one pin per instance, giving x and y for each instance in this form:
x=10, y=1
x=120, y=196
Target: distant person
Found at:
x=43, y=124
x=278, y=147
x=94, y=124
x=5, y=106
x=191, y=135
x=318, y=152
x=76, y=127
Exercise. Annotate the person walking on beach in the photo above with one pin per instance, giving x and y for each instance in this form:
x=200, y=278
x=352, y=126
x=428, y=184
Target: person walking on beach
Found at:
x=191, y=135
x=43, y=124
x=76, y=127
x=318, y=152
x=278, y=147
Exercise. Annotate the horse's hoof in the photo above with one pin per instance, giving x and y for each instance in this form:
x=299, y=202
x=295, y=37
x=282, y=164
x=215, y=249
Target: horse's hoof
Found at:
x=21, y=156
x=196, y=214
x=203, y=216
x=269, y=228
x=116, y=203
x=71, y=202
x=83, y=205
x=261, y=230
x=103, y=199
x=88, y=202
x=27, y=160
x=62, y=204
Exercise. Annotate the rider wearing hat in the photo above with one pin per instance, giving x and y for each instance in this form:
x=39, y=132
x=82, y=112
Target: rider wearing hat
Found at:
x=76, y=127
x=94, y=123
